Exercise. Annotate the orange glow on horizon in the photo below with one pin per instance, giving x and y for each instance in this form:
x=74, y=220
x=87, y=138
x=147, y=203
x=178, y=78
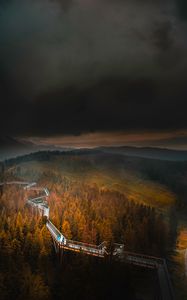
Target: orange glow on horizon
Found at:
x=97, y=139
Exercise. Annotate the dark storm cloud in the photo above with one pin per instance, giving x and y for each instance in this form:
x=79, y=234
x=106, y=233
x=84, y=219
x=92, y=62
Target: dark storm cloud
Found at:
x=76, y=66
x=182, y=8
x=110, y=105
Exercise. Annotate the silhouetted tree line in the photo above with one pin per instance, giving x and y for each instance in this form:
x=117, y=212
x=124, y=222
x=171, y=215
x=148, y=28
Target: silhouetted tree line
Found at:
x=47, y=155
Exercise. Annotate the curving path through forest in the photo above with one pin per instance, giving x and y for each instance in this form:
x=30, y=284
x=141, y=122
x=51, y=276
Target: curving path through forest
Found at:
x=62, y=243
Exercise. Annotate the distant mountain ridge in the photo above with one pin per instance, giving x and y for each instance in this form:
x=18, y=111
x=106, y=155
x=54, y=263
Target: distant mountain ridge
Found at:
x=7, y=141
x=11, y=147
x=148, y=152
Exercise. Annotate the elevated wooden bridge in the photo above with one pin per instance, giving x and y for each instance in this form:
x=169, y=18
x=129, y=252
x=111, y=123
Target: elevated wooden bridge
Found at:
x=118, y=250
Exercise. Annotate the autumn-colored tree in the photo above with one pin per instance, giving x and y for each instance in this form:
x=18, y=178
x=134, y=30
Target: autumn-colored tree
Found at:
x=66, y=229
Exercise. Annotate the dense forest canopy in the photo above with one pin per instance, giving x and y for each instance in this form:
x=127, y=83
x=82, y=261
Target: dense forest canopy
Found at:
x=84, y=209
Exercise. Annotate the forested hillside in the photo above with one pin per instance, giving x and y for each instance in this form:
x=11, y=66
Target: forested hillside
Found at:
x=90, y=200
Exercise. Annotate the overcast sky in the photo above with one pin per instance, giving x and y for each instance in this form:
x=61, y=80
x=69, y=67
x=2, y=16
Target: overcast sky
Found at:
x=81, y=66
